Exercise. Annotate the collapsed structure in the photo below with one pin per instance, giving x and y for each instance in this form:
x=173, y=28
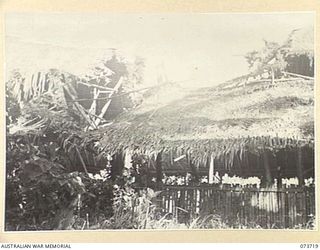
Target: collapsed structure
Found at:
x=243, y=127
x=268, y=134
x=250, y=134
x=300, y=57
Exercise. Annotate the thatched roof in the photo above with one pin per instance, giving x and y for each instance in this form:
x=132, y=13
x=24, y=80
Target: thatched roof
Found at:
x=226, y=122
x=216, y=121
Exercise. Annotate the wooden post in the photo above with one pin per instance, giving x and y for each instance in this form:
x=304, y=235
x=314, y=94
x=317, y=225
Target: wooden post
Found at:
x=194, y=171
x=159, y=169
x=211, y=170
x=266, y=166
x=117, y=165
x=300, y=166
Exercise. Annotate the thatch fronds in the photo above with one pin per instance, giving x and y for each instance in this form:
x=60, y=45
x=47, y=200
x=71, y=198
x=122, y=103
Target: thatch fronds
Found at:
x=219, y=121
x=31, y=86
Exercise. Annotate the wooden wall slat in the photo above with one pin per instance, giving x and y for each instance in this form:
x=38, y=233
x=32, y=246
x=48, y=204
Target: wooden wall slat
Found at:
x=270, y=208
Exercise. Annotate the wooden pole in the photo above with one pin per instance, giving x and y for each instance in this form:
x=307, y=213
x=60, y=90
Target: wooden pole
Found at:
x=83, y=113
x=267, y=167
x=122, y=94
x=80, y=109
x=300, y=166
x=90, y=85
x=159, y=168
x=93, y=107
x=298, y=75
x=287, y=79
x=106, y=106
x=113, y=96
x=211, y=170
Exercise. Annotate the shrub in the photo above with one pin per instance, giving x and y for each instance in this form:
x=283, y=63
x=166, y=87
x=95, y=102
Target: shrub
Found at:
x=41, y=196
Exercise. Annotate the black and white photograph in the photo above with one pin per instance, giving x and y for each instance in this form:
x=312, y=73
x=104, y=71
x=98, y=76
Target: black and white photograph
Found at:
x=180, y=121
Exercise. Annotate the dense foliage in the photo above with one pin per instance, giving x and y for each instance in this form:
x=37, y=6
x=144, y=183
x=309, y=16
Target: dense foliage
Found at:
x=48, y=185
x=270, y=58
x=41, y=194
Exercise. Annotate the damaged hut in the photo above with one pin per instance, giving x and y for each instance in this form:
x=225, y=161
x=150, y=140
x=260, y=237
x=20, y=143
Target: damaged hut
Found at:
x=300, y=56
x=254, y=138
x=243, y=150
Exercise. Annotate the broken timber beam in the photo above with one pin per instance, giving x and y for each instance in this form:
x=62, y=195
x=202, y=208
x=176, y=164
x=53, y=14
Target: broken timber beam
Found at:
x=287, y=79
x=96, y=86
x=114, y=96
x=86, y=117
x=106, y=106
x=90, y=114
x=275, y=80
x=80, y=109
x=96, y=93
x=298, y=75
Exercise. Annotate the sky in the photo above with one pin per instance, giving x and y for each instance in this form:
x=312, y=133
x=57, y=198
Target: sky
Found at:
x=198, y=49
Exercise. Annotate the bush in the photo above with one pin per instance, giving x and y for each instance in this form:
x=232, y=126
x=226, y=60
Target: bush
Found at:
x=41, y=196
